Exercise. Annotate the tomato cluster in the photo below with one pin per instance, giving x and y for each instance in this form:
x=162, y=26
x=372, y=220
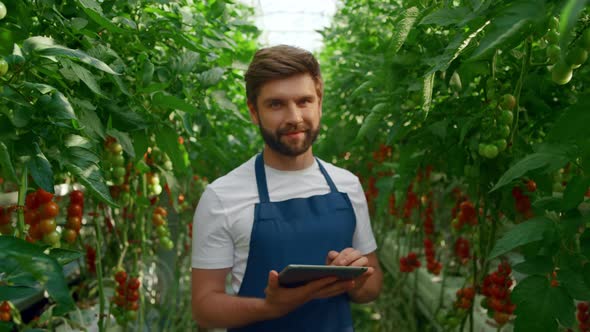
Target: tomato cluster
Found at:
x=563, y=66
x=522, y=202
x=409, y=263
x=114, y=162
x=75, y=213
x=40, y=213
x=5, y=315
x=126, y=298
x=160, y=223
x=91, y=259
x=5, y=219
x=432, y=264
x=465, y=214
x=497, y=126
x=496, y=289
x=462, y=249
x=154, y=186
x=465, y=298
x=412, y=202
x=583, y=316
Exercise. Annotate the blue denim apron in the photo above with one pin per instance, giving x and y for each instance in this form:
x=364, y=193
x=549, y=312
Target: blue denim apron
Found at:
x=298, y=231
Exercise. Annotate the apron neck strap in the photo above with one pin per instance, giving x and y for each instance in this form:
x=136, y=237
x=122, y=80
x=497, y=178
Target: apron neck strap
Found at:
x=261, y=179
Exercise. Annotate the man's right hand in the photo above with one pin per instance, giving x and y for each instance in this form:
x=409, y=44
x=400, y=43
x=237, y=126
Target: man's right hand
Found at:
x=282, y=300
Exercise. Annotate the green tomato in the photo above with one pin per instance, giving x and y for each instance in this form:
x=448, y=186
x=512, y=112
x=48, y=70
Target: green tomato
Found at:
x=504, y=131
x=3, y=66
x=2, y=10
x=552, y=37
x=553, y=53
x=116, y=148
x=161, y=231
x=481, y=148
x=501, y=144
x=506, y=117
x=157, y=189
x=576, y=57
x=508, y=102
x=168, y=165
x=51, y=238
x=118, y=160
x=490, y=151
x=119, y=172
x=561, y=73
x=167, y=243
x=131, y=315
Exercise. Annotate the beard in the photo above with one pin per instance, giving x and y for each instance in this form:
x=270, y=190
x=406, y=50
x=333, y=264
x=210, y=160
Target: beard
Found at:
x=274, y=142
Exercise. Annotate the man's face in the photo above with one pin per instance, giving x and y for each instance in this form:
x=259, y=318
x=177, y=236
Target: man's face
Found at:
x=288, y=115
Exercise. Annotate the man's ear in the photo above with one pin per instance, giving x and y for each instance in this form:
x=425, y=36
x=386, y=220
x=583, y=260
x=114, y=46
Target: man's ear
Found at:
x=253, y=113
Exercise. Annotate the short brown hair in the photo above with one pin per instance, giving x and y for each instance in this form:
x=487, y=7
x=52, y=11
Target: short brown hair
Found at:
x=279, y=62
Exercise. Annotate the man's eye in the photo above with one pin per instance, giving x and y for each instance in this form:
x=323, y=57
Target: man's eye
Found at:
x=275, y=104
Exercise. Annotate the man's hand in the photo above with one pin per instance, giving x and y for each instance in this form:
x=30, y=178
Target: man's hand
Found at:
x=368, y=285
x=282, y=300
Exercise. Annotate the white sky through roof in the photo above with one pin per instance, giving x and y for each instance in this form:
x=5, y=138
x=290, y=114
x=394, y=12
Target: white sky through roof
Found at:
x=293, y=22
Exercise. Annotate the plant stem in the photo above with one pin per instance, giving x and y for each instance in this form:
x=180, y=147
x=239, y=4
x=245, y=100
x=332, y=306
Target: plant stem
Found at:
x=526, y=61
x=22, y=192
x=99, y=271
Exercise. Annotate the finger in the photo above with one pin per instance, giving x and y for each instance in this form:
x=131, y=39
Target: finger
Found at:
x=361, y=261
x=331, y=255
x=314, y=286
x=346, y=257
x=335, y=289
x=273, y=279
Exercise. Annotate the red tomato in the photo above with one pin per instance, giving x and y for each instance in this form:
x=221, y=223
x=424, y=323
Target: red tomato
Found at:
x=49, y=210
x=77, y=197
x=43, y=196
x=75, y=210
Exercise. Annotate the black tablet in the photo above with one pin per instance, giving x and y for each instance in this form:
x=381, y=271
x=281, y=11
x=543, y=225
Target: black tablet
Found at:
x=296, y=275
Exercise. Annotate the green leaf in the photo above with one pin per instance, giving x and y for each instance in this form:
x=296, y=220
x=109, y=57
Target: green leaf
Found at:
x=59, y=107
x=439, y=128
x=403, y=28
x=47, y=47
x=567, y=20
x=427, y=93
x=373, y=120
x=45, y=269
x=446, y=16
x=83, y=164
x=573, y=282
x=140, y=143
x=454, y=49
x=549, y=203
x=92, y=126
x=529, y=231
x=575, y=191
x=539, y=306
x=94, y=12
x=572, y=124
x=585, y=245
x=167, y=140
x=124, y=140
x=64, y=256
x=6, y=164
x=128, y=120
x=226, y=104
x=540, y=265
x=168, y=101
x=511, y=22
x=147, y=73
x=13, y=293
x=86, y=76
x=362, y=89
x=40, y=169
x=210, y=77
x=529, y=163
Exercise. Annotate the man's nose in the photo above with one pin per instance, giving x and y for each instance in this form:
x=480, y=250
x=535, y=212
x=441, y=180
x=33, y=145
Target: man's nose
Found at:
x=294, y=113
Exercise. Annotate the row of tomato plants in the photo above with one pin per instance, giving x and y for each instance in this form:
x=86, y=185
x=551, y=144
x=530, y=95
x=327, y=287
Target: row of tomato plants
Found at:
x=96, y=100
x=473, y=113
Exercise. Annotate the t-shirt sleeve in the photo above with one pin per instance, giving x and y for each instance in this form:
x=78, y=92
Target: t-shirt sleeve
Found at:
x=363, y=239
x=212, y=242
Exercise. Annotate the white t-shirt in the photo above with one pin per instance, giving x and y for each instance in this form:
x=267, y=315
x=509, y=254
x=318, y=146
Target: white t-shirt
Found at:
x=223, y=220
